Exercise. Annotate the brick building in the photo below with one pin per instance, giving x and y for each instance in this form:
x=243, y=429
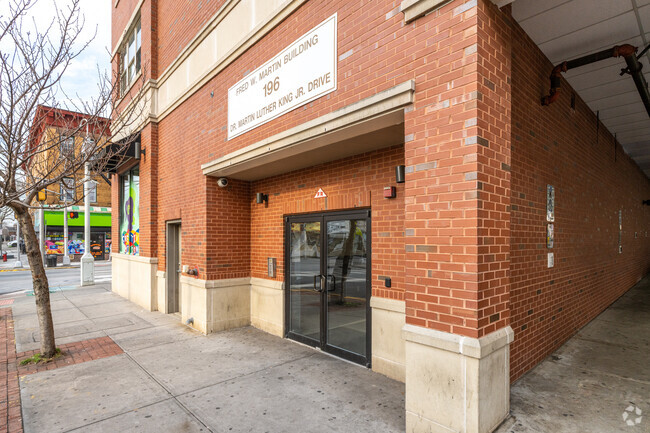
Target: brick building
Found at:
x=56, y=135
x=268, y=189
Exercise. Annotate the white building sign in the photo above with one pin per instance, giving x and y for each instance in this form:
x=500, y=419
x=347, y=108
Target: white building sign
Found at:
x=303, y=72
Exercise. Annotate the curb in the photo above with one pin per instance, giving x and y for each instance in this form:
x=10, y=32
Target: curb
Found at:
x=46, y=268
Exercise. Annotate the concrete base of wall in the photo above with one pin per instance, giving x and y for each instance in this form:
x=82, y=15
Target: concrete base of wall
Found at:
x=456, y=383
x=267, y=305
x=215, y=305
x=388, y=353
x=134, y=278
x=161, y=290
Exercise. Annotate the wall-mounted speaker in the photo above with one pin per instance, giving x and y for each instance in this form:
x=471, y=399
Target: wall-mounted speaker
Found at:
x=400, y=174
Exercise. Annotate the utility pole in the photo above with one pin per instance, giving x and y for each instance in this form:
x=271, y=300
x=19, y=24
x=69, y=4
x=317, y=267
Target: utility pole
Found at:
x=87, y=260
x=18, y=263
x=66, y=258
x=41, y=231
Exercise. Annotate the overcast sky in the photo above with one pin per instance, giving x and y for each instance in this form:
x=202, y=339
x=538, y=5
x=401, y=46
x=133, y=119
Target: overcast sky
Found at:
x=82, y=76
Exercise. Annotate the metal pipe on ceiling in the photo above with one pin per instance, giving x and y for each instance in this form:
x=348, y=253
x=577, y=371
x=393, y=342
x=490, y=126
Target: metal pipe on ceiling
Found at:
x=627, y=51
x=635, y=67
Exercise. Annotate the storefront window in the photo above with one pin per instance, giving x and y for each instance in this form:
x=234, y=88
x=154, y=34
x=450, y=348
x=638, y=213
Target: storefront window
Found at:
x=54, y=243
x=129, y=212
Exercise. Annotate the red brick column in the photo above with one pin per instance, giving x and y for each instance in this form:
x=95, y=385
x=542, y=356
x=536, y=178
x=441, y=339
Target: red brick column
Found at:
x=458, y=175
x=149, y=191
x=457, y=222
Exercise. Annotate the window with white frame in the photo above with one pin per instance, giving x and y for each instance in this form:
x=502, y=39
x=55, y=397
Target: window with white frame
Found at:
x=129, y=58
x=67, y=189
x=67, y=145
x=92, y=191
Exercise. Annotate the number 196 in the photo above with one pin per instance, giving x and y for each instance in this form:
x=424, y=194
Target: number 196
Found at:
x=272, y=86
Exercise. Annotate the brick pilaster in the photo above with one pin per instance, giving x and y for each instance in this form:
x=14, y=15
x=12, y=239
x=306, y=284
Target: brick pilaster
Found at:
x=458, y=182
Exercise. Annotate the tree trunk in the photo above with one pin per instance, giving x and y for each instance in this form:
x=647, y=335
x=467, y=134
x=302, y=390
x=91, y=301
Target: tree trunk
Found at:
x=40, y=283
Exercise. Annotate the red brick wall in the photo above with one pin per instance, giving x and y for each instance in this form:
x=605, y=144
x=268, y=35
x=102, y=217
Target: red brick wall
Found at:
x=476, y=142
x=215, y=222
x=149, y=192
x=115, y=214
x=438, y=51
x=355, y=182
x=457, y=189
x=559, y=146
x=216, y=231
x=227, y=235
x=179, y=22
x=120, y=18
x=493, y=191
x=149, y=53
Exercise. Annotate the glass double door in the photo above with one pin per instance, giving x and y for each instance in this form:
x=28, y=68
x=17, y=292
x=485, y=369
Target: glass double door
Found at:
x=328, y=282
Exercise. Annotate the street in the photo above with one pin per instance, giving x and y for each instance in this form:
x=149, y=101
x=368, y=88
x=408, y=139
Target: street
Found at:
x=17, y=281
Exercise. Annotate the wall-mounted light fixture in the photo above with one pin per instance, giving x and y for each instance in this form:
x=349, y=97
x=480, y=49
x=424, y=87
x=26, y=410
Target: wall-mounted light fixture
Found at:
x=139, y=150
x=261, y=198
x=400, y=176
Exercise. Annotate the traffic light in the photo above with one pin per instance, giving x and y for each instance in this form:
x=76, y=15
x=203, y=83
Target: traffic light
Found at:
x=42, y=195
x=74, y=215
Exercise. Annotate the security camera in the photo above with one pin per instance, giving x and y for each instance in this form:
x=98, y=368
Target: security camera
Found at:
x=222, y=182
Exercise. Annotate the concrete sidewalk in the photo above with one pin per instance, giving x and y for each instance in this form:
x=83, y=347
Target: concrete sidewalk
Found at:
x=172, y=379
x=168, y=378
x=597, y=382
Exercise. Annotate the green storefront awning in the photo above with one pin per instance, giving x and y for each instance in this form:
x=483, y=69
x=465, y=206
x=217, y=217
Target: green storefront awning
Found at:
x=55, y=218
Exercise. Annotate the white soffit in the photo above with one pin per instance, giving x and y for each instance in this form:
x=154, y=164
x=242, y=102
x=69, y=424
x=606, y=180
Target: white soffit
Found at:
x=566, y=29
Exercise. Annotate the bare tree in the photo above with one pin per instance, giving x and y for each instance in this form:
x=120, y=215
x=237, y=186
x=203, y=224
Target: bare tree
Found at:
x=33, y=59
x=5, y=212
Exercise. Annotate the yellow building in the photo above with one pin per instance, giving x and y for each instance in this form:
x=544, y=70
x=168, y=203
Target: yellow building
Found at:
x=56, y=139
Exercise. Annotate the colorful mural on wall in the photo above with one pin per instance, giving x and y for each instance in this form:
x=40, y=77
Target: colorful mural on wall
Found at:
x=130, y=214
x=76, y=247
x=53, y=247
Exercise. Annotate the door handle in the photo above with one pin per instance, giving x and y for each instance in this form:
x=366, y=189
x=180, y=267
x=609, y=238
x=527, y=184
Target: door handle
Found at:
x=320, y=283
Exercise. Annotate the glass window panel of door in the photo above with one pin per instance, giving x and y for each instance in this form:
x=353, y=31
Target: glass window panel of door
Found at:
x=305, y=262
x=347, y=285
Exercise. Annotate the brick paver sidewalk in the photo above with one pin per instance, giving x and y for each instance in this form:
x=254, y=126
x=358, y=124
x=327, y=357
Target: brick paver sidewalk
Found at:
x=72, y=353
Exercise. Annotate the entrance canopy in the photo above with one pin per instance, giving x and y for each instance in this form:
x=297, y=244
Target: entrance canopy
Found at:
x=565, y=30
x=115, y=155
x=370, y=124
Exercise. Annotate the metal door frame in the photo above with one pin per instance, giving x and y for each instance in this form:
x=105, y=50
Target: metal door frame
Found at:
x=323, y=218
x=173, y=275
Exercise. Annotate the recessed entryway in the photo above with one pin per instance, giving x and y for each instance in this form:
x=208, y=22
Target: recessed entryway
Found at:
x=173, y=266
x=328, y=282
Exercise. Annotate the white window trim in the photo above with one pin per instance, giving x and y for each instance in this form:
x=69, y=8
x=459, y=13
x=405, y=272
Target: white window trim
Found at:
x=64, y=189
x=118, y=101
x=64, y=139
x=134, y=16
x=125, y=61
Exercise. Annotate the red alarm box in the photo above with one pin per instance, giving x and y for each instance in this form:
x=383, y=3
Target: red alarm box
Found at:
x=389, y=192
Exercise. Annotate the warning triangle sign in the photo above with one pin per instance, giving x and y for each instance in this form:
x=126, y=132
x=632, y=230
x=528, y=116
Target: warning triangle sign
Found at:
x=320, y=193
